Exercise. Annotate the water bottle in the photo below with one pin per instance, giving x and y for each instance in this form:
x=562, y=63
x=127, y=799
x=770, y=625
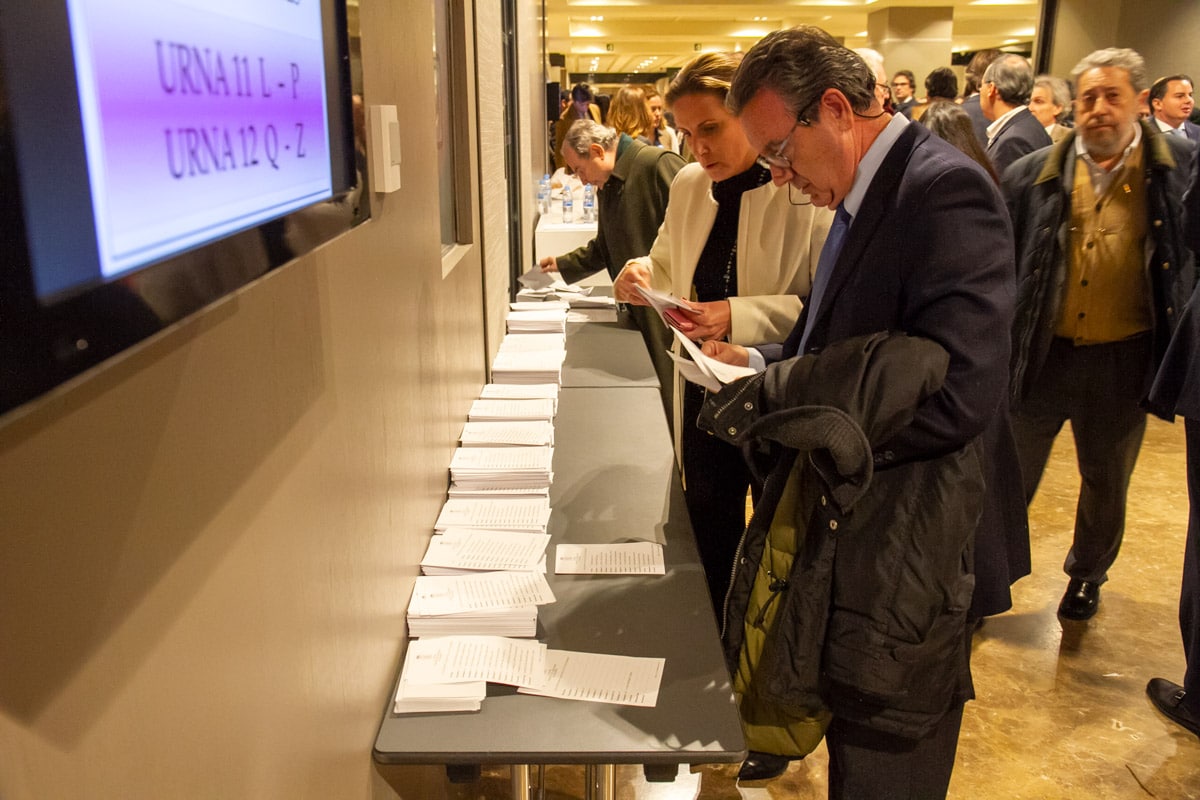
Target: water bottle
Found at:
x=543, y=195
x=568, y=205
x=589, y=203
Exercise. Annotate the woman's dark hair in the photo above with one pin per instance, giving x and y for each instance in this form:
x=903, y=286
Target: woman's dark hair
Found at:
x=581, y=91
x=949, y=121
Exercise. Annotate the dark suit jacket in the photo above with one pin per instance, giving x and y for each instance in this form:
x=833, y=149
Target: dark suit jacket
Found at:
x=978, y=121
x=906, y=107
x=1020, y=135
x=630, y=209
x=931, y=254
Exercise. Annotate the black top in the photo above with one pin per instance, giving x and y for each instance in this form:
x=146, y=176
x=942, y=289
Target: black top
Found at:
x=716, y=270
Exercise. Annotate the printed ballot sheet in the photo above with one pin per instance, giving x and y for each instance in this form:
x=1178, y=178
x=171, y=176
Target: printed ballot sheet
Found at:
x=599, y=678
x=523, y=433
x=625, y=558
x=497, y=659
x=715, y=372
x=453, y=594
x=480, y=550
x=510, y=514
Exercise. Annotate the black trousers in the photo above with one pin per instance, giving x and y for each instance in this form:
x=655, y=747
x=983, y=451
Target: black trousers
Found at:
x=1189, y=595
x=1097, y=388
x=716, y=479
x=865, y=763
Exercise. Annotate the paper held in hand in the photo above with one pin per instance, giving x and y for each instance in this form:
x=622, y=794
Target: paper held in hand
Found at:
x=708, y=372
x=664, y=303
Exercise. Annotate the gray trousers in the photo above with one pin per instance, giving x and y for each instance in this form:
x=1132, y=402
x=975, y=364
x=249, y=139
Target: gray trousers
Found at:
x=1098, y=388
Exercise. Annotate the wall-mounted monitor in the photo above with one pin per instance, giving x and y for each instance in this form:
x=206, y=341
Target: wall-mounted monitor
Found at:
x=156, y=155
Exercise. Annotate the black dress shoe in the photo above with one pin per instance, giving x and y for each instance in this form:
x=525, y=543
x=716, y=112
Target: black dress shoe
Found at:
x=1168, y=698
x=762, y=766
x=1080, y=601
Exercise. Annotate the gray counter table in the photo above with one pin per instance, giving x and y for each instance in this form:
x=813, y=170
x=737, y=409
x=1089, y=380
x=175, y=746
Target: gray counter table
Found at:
x=614, y=480
x=607, y=354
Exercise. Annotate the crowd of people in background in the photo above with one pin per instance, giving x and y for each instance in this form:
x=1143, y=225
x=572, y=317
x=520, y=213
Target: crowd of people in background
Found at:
x=927, y=289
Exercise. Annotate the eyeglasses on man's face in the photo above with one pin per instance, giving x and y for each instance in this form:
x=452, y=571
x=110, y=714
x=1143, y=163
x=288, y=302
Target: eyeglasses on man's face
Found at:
x=776, y=158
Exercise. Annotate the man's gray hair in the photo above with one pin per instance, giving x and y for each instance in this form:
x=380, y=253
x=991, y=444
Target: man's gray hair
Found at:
x=1013, y=78
x=584, y=133
x=799, y=64
x=1119, y=58
x=1060, y=93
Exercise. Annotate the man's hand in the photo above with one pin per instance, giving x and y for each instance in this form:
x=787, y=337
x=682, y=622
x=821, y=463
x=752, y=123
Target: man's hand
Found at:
x=634, y=274
x=710, y=322
x=549, y=264
x=727, y=353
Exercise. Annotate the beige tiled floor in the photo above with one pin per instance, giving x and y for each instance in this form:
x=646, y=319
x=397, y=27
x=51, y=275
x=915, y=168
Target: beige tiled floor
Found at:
x=1061, y=710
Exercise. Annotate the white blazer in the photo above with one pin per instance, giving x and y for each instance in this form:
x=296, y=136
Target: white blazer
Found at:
x=777, y=248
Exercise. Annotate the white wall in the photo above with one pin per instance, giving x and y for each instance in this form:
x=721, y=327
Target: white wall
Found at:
x=206, y=550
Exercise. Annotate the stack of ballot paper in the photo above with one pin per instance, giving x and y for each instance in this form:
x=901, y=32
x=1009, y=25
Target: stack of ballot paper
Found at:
x=530, y=391
x=450, y=673
x=485, y=409
x=464, y=551
x=502, y=467
x=507, y=433
x=529, y=514
x=553, y=320
x=485, y=603
x=544, y=366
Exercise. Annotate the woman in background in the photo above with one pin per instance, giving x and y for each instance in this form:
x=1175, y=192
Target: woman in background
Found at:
x=663, y=134
x=739, y=247
x=630, y=114
x=952, y=123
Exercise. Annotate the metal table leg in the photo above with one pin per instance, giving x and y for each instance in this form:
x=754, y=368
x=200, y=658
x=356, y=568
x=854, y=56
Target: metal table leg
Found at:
x=601, y=782
x=520, y=781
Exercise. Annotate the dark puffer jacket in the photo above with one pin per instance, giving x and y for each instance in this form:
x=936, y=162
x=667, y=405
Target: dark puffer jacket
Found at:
x=1038, y=189
x=872, y=621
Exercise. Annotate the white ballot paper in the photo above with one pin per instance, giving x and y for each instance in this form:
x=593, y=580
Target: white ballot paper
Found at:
x=600, y=678
x=533, y=342
x=625, y=558
x=529, y=514
x=536, y=279
x=537, y=305
x=513, y=391
x=498, y=659
x=485, y=409
x=421, y=698
x=661, y=301
x=713, y=370
x=500, y=433
x=469, y=549
x=451, y=594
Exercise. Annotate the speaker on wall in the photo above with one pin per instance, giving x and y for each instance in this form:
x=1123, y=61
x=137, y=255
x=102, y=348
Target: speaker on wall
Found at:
x=558, y=60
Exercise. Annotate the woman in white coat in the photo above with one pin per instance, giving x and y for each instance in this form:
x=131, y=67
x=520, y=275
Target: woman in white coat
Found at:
x=743, y=250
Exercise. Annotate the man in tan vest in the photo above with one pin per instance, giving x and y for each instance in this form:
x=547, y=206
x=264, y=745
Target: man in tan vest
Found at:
x=1102, y=275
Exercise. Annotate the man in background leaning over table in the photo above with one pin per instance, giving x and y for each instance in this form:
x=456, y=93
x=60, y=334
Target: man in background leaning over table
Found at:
x=633, y=181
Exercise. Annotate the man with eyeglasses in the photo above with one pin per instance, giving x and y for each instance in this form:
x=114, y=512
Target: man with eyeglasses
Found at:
x=924, y=250
x=902, y=92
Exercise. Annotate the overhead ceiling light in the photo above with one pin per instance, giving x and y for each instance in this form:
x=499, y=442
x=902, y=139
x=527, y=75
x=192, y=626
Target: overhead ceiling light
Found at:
x=597, y=19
